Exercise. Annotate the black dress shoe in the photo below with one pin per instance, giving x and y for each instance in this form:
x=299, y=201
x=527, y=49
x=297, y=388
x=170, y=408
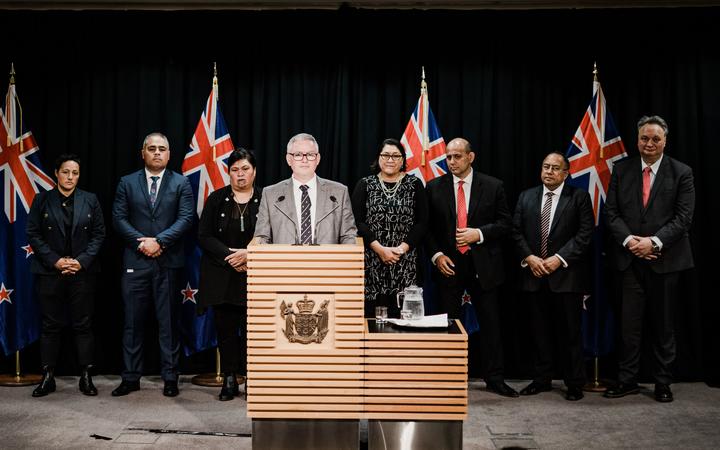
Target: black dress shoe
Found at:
x=125, y=388
x=535, y=388
x=47, y=384
x=663, y=394
x=501, y=388
x=171, y=388
x=621, y=390
x=229, y=389
x=574, y=394
x=86, y=384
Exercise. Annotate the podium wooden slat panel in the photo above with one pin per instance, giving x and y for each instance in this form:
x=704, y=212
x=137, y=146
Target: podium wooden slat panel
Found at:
x=292, y=380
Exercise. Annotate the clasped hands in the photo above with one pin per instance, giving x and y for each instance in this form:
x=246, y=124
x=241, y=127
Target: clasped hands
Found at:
x=237, y=259
x=543, y=267
x=68, y=265
x=641, y=246
x=149, y=247
x=389, y=255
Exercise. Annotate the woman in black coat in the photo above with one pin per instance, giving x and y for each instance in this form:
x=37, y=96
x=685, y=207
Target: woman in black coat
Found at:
x=65, y=229
x=226, y=227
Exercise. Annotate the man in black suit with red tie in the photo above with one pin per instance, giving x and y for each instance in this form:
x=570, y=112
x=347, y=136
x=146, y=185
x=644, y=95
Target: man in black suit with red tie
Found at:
x=471, y=218
x=649, y=211
x=552, y=229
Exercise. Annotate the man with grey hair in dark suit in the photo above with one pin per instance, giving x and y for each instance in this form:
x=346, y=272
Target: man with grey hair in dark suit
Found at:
x=649, y=211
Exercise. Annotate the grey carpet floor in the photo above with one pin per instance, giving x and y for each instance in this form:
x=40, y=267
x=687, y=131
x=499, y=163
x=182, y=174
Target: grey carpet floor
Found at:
x=68, y=420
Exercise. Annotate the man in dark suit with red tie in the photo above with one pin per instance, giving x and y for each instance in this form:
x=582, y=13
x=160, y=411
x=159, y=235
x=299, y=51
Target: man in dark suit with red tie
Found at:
x=471, y=218
x=552, y=229
x=649, y=211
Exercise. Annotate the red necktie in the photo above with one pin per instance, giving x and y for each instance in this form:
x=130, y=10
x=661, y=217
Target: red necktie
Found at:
x=646, y=185
x=461, y=213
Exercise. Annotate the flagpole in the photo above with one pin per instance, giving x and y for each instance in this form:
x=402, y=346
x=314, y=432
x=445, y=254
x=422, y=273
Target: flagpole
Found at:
x=424, y=125
x=19, y=379
x=595, y=384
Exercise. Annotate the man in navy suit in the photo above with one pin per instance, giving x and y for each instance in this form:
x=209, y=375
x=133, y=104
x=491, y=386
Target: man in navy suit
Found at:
x=552, y=229
x=649, y=211
x=153, y=210
x=471, y=218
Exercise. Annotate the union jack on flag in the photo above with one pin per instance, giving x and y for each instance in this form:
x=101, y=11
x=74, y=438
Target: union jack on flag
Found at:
x=205, y=167
x=594, y=149
x=22, y=175
x=424, y=145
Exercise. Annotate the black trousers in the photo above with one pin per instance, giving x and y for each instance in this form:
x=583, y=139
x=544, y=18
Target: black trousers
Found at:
x=62, y=297
x=648, y=299
x=556, y=320
x=486, y=308
x=231, y=325
x=142, y=289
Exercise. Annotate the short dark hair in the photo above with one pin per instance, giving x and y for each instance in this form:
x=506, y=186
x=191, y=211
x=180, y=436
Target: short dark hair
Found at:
x=375, y=167
x=562, y=155
x=60, y=160
x=239, y=154
x=653, y=120
x=155, y=134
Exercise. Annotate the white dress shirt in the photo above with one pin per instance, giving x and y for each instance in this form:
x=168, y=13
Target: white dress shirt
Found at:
x=312, y=193
x=149, y=180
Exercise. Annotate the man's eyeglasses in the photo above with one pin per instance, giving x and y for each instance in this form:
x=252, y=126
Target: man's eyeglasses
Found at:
x=554, y=169
x=299, y=156
x=389, y=156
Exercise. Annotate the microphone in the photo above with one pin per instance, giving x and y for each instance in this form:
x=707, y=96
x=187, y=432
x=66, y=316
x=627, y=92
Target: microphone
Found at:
x=333, y=199
x=281, y=198
x=314, y=242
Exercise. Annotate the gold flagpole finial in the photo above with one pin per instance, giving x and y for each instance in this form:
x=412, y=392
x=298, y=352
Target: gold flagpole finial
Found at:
x=595, y=71
x=12, y=73
x=423, y=84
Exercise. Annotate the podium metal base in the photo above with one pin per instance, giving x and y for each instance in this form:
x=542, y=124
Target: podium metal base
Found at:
x=22, y=380
x=415, y=435
x=213, y=380
x=305, y=434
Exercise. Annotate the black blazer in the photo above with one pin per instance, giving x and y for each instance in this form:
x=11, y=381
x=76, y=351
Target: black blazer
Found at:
x=668, y=214
x=487, y=211
x=216, y=275
x=46, y=233
x=168, y=220
x=570, y=236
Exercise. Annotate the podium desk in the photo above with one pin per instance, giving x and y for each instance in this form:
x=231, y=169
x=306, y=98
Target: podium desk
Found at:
x=415, y=386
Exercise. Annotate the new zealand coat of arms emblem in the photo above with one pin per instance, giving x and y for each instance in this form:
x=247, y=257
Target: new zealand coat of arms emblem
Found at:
x=305, y=326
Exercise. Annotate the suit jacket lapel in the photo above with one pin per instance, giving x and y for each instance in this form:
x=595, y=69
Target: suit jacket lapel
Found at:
x=287, y=205
x=324, y=205
x=167, y=176
x=78, y=209
x=474, y=196
x=659, y=177
x=449, y=188
x=144, y=187
x=55, y=209
x=562, y=203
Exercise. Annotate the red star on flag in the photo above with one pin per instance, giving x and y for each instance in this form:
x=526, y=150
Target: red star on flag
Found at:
x=5, y=293
x=28, y=250
x=189, y=294
x=466, y=298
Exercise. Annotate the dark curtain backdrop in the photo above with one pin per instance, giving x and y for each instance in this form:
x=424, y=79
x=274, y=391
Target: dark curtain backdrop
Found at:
x=515, y=83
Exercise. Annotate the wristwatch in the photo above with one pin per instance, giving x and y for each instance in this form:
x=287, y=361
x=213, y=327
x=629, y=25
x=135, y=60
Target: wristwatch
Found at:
x=162, y=244
x=655, y=247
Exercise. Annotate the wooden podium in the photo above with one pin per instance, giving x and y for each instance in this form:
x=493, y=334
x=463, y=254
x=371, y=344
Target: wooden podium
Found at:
x=318, y=380
x=316, y=366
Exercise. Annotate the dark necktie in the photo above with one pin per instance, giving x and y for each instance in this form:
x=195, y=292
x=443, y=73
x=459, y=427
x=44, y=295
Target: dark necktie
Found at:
x=153, y=190
x=646, y=185
x=545, y=224
x=305, y=232
x=461, y=213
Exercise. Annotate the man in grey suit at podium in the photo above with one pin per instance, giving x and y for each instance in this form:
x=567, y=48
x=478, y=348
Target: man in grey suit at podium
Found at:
x=305, y=209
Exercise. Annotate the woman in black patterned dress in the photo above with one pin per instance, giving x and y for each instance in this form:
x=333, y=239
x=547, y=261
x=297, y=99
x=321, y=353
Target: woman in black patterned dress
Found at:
x=390, y=211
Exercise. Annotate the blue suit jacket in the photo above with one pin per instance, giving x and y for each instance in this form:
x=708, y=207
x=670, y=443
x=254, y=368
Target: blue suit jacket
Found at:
x=168, y=220
x=46, y=233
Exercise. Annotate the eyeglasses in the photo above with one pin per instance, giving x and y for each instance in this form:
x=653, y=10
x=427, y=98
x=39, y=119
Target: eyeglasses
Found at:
x=655, y=139
x=389, y=156
x=299, y=156
x=553, y=169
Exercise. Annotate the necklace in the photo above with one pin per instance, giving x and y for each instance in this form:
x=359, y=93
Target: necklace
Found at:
x=390, y=192
x=242, y=210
